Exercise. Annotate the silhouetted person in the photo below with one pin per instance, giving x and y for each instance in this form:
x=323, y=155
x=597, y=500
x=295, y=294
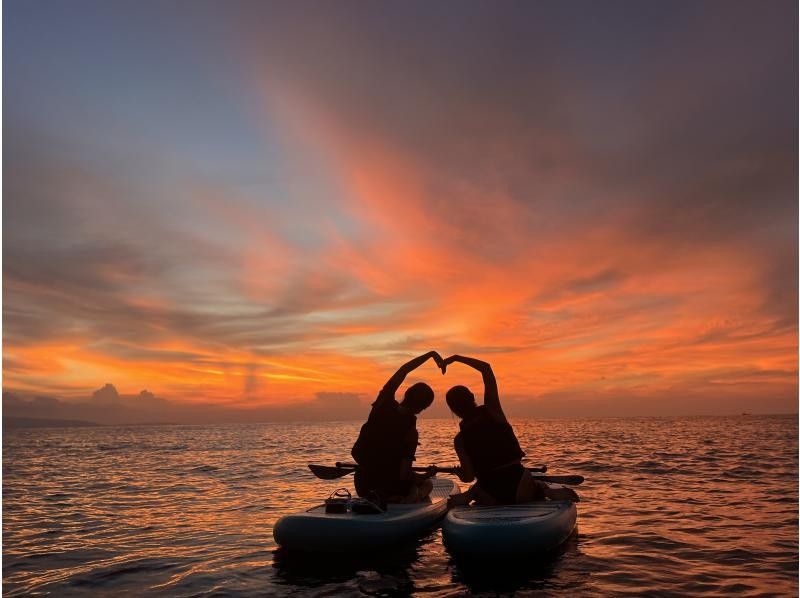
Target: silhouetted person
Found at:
x=488, y=448
x=387, y=442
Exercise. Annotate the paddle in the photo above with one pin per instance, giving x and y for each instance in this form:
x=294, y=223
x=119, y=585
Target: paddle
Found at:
x=326, y=472
x=541, y=469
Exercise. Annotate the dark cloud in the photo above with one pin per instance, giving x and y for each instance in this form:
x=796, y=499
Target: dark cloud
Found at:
x=602, y=281
x=134, y=353
x=91, y=291
x=107, y=394
x=107, y=406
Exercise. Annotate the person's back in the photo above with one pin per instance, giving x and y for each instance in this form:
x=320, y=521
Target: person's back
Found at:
x=385, y=443
x=489, y=442
x=385, y=437
x=495, y=454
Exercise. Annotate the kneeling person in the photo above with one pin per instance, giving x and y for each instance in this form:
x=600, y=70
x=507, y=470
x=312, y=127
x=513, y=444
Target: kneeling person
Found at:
x=387, y=443
x=488, y=448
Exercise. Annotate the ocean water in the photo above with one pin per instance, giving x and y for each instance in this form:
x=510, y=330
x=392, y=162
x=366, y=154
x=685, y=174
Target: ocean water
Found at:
x=670, y=506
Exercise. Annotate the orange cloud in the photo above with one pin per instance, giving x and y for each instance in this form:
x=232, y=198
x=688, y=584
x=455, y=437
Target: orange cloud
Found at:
x=465, y=222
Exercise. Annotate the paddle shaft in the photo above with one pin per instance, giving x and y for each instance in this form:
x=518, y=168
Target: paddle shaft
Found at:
x=438, y=469
x=326, y=472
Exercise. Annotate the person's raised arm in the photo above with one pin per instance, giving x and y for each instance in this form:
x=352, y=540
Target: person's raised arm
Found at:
x=491, y=397
x=391, y=386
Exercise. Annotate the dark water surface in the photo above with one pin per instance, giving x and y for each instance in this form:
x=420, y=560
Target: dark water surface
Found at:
x=673, y=506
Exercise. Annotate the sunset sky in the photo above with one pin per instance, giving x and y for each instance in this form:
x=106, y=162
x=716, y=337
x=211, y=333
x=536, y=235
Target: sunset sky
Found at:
x=250, y=203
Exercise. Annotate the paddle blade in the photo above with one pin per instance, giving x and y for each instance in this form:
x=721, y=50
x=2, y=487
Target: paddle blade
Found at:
x=325, y=472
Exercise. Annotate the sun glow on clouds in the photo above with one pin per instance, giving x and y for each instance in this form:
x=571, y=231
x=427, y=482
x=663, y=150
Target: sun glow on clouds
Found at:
x=604, y=308
x=467, y=216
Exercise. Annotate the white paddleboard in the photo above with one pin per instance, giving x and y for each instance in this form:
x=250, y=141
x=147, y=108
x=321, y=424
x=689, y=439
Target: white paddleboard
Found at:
x=509, y=531
x=317, y=531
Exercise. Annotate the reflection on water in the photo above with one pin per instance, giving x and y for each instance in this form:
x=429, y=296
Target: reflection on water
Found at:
x=382, y=572
x=395, y=572
x=532, y=572
x=685, y=506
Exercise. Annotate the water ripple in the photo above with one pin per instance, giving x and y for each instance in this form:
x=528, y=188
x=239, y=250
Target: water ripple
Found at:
x=691, y=506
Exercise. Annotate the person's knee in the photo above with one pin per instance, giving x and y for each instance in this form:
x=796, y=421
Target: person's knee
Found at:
x=424, y=489
x=420, y=491
x=530, y=489
x=481, y=496
x=564, y=494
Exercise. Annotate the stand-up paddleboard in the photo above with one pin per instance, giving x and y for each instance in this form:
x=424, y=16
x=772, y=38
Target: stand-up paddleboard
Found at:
x=316, y=530
x=509, y=531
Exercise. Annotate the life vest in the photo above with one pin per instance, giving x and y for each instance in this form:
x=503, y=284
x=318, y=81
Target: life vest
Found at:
x=489, y=443
x=387, y=437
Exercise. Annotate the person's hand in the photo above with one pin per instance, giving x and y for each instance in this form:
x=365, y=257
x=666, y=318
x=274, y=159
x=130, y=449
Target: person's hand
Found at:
x=448, y=361
x=458, y=500
x=438, y=359
x=459, y=471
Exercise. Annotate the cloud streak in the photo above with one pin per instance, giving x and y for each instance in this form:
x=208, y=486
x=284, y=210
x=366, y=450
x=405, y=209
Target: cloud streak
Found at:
x=604, y=207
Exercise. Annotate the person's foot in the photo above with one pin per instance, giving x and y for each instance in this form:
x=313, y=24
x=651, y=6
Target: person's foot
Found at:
x=458, y=500
x=424, y=490
x=563, y=494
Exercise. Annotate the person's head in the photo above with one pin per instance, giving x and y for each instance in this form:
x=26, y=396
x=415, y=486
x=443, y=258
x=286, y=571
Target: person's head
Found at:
x=418, y=397
x=461, y=401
